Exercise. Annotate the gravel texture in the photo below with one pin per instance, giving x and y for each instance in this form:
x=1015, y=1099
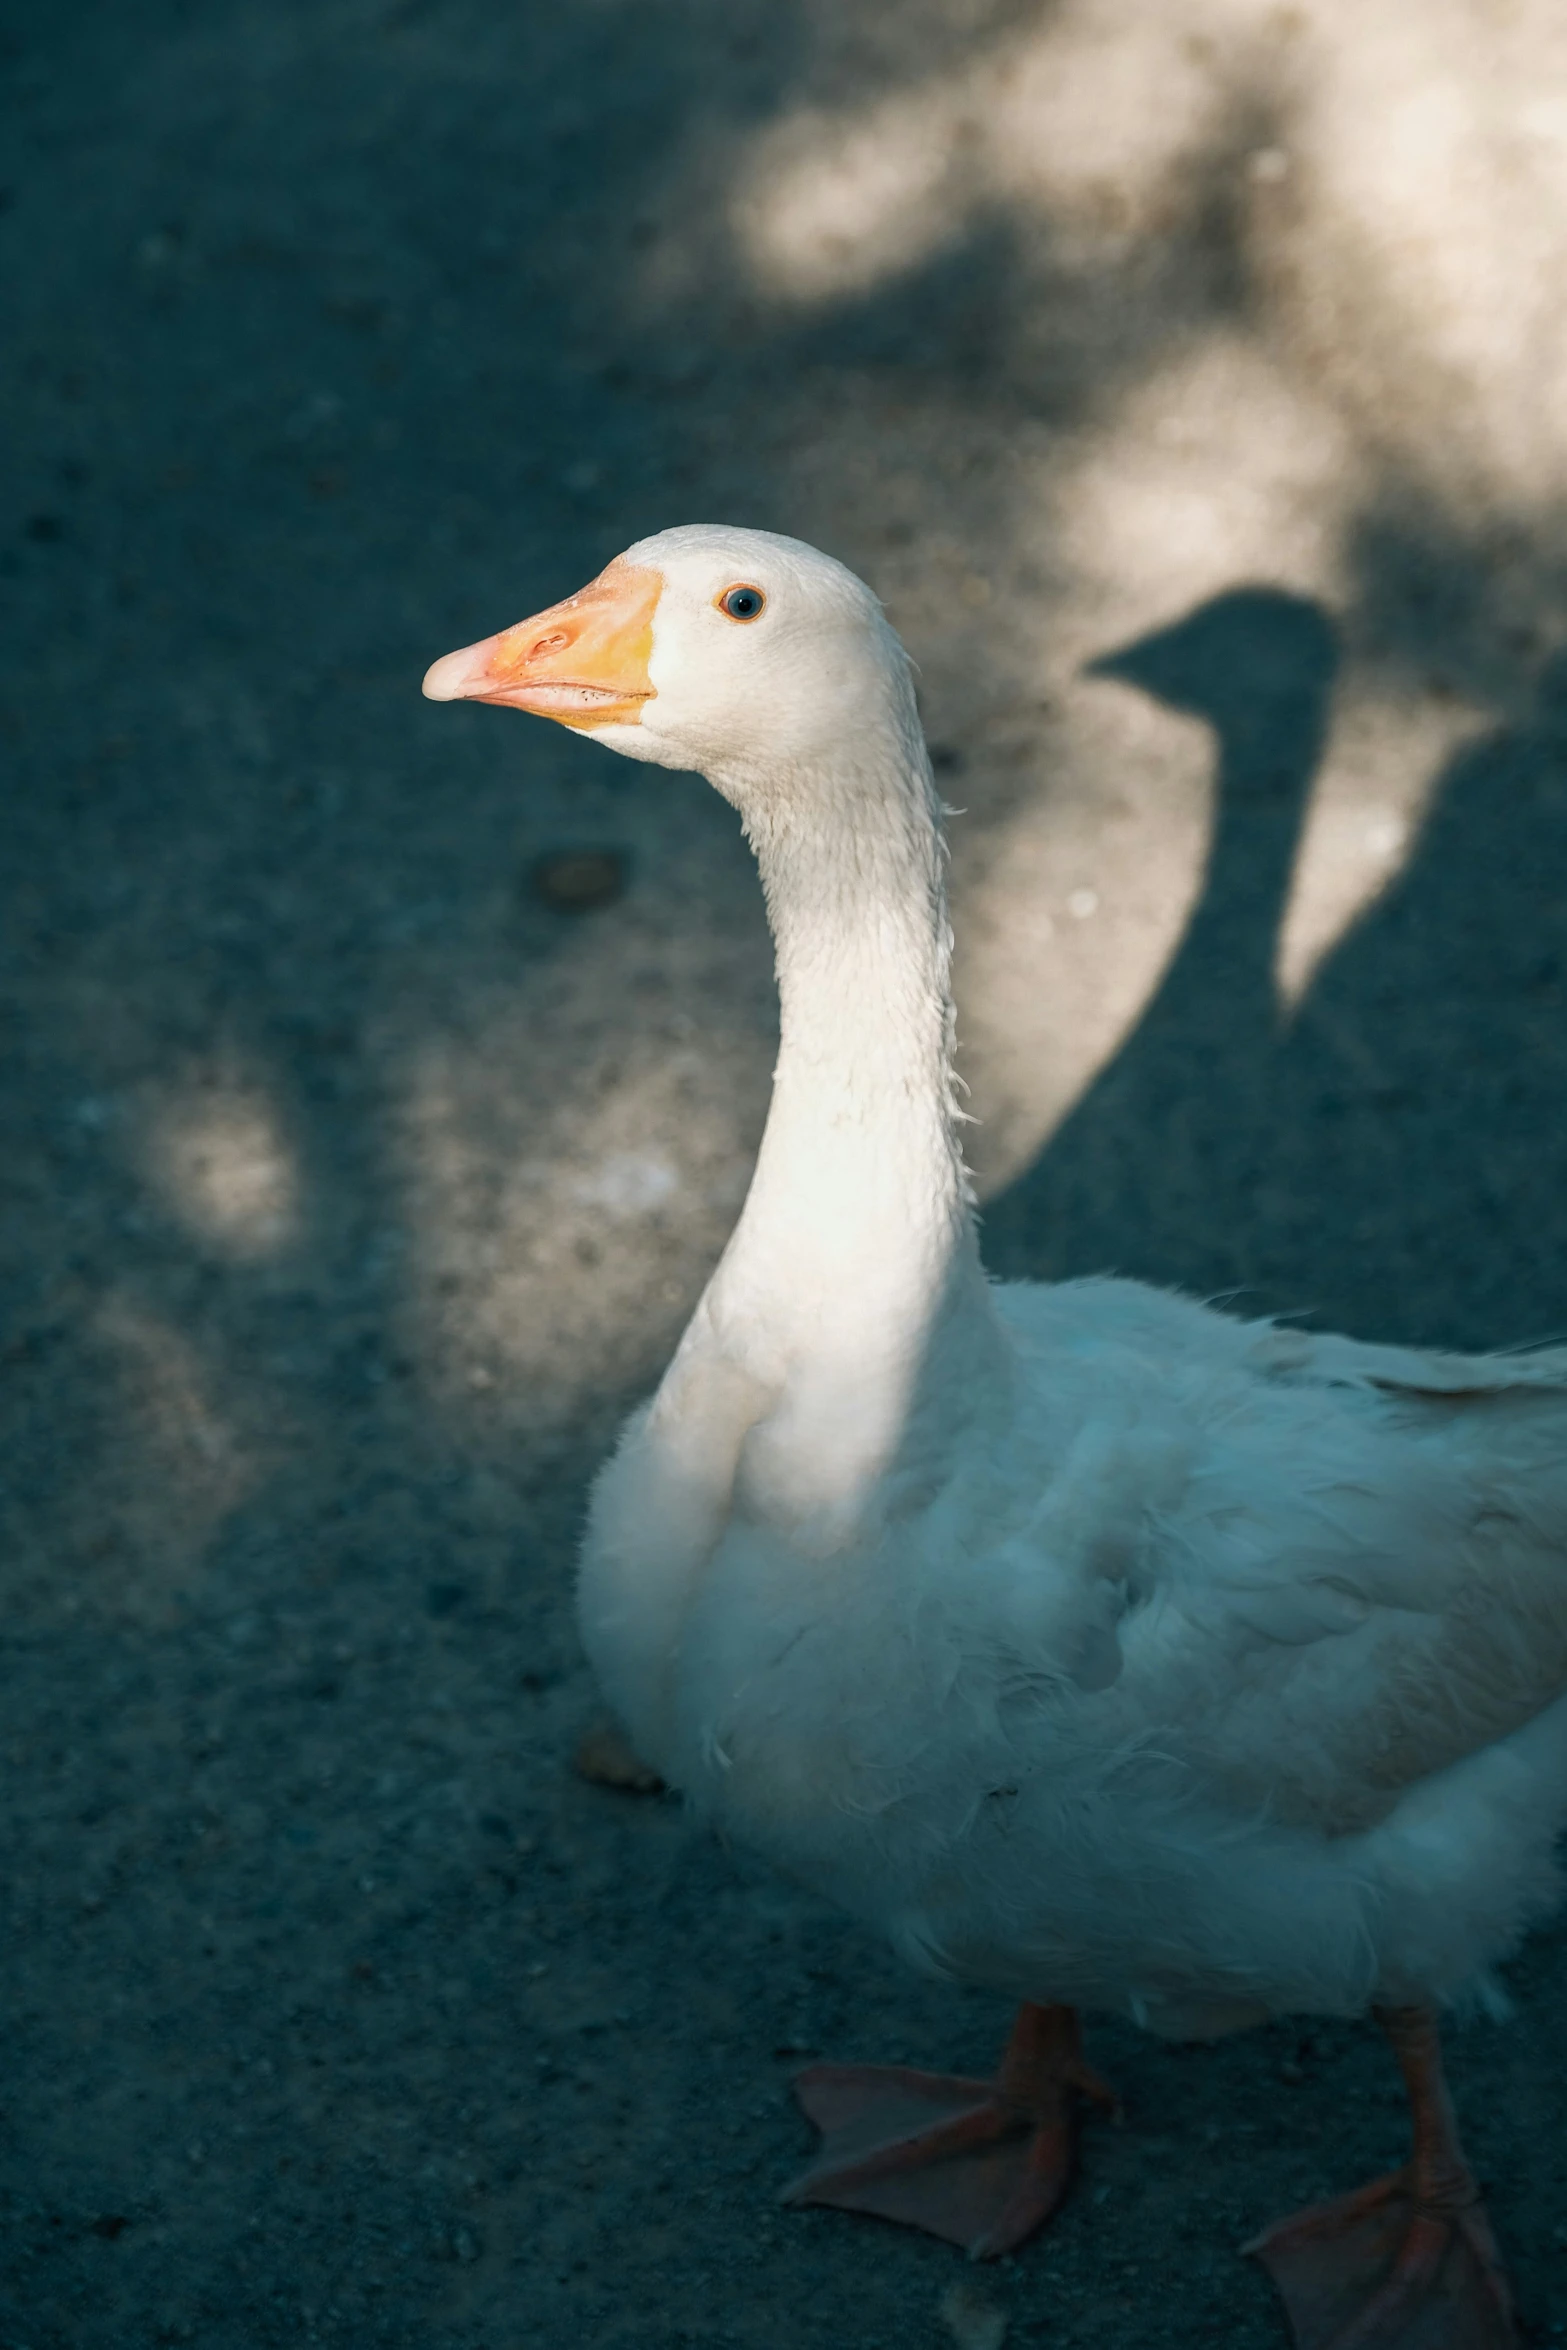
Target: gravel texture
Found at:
x=1185, y=373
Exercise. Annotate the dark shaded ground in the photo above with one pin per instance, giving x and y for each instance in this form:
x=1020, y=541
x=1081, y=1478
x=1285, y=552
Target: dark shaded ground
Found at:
x=336, y=2008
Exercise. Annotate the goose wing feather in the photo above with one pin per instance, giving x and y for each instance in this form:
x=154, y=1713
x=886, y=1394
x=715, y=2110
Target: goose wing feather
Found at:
x=1332, y=1569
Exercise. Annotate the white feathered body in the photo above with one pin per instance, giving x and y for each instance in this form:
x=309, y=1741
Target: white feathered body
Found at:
x=1221, y=1674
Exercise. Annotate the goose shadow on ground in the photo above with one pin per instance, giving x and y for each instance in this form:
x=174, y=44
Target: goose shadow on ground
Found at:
x=1387, y=1157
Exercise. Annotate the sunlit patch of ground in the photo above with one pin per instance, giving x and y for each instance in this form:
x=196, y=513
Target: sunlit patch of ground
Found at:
x=226, y=1170
x=1388, y=206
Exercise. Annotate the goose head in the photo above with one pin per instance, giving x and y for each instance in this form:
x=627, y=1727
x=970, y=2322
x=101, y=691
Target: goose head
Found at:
x=734, y=652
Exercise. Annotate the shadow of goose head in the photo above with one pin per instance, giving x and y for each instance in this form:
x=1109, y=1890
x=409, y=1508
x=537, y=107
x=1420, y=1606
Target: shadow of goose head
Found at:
x=1257, y=663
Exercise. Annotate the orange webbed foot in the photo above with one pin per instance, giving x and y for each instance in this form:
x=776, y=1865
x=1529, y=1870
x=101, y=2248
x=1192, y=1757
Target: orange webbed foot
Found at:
x=1409, y=2262
x=982, y=2164
x=1378, y=2271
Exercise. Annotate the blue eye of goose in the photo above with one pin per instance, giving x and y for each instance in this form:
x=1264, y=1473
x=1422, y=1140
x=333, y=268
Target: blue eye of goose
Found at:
x=742, y=603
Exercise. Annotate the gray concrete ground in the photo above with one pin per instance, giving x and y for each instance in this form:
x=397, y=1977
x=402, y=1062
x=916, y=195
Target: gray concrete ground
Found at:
x=1186, y=374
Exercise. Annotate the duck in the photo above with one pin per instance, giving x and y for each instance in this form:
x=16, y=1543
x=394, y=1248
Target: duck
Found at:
x=1086, y=1641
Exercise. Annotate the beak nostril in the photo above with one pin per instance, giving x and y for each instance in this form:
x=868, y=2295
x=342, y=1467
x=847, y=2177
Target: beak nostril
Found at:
x=583, y=661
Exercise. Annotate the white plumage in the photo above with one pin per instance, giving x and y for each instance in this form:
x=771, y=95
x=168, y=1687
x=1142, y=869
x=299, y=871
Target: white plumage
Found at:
x=1088, y=1642
x=1199, y=1670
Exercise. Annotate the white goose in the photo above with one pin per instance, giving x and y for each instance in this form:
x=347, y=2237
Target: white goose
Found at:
x=1089, y=1642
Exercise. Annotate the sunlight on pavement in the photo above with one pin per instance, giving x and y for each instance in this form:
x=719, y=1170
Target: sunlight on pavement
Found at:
x=1385, y=757
x=1080, y=905
x=1394, y=203
x=563, y=1238
x=226, y=1169
x=1214, y=472
x=1220, y=468
x=1084, y=122
x=1431, y=241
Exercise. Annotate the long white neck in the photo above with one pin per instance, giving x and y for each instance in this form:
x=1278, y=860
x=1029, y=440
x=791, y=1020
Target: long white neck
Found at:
x=851, y=1288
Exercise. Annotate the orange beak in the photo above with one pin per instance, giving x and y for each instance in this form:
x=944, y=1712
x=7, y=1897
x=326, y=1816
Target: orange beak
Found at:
x=584, y=662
